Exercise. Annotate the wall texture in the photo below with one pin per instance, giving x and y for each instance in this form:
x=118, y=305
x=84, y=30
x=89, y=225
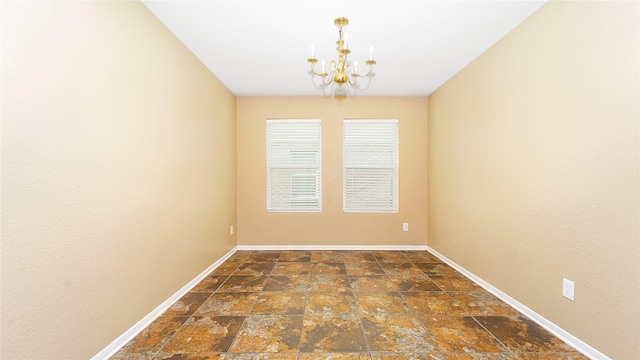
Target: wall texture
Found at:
x=118, y=173
x=534, y=169
x=332, y=226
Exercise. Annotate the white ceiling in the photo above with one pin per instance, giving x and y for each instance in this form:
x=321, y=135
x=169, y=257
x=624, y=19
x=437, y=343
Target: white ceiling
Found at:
x=260, y=47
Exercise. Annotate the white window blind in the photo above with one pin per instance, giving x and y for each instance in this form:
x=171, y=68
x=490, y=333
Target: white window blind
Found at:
x=294, y=163
x=370, y=160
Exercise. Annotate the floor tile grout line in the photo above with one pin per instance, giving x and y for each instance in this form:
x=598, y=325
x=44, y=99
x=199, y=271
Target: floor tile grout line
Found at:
x=182, y=325
x=357, y=309
x=235, y=338
x=188, y=316
x=303, y=307
x=492, y=334
x=245, y=317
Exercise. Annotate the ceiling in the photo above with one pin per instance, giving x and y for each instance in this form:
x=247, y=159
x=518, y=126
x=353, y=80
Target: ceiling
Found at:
x=260, y=47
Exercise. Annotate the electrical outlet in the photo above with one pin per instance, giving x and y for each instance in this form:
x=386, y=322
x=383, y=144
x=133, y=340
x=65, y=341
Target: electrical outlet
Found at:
x=231, y=230
x=405, y=226
x=567, y=289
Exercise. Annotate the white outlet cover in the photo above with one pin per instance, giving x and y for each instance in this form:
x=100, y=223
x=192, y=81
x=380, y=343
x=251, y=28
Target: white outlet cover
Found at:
x=405, y=226
x=568, y=288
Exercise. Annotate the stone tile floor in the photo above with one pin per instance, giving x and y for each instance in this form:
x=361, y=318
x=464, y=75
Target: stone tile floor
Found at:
x=341, y=305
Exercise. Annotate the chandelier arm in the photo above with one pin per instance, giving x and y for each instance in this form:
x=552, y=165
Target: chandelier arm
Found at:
x=353, y=76
x=319, y=85
x=366, y=85
x=313, y=63
x=327, y=78
x=314, y=71
x=367, y=73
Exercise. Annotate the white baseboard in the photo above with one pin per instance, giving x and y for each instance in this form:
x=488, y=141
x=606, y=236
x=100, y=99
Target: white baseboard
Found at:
x=123, y=339
x=571, y=340
x=333, y=247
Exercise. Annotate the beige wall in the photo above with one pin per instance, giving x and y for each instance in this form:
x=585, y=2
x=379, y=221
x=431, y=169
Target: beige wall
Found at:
x=533, y=169
x=118, y=173
x=331, y=227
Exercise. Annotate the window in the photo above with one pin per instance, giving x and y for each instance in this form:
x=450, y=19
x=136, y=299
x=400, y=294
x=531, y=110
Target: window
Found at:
x=294, y=163
x=370, y=161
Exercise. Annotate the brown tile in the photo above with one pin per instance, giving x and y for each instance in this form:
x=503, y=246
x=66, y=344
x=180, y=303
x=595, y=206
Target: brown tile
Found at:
x=187, y=305
x=131, y=356
x=215, y=278
x=292, y=268
x=261, y=356
x=364, y=268
x=359, y=257
x=330, y=303
x=207, y=288
x=328, y=268
x=204, y=334
x=287, y=283
x=327, y=334
x=448, y=283
x=209, y=284
x=255, y=269
x=371, y=283
x=390, y=257
x=396, y=333
x=398, y=356
x=263, y=256
x=553, y=356
x=460, y=334
x=470, y=356
x=413, y=283
x=334, y=356
x=405, y=268
x=151, y=339
x=278, y=303
x=243, y=283
x=435, y=269
x=240, y=255
x=381, y=303
x=431, y=302
x=226, y=268
x=448, y=356
x=295, y=256
x=329, y=283
x=326, y=256
x=421, y=257
x=520, y=334
x=228, y=304
x=270, y=333
x=183, y=356
x=234, y=260
x=483, y=303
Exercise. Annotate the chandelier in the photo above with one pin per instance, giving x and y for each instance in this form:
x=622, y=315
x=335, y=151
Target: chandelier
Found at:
x=341, y=72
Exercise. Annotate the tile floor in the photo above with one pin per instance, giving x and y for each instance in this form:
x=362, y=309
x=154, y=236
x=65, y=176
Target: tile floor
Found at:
x=341, y=305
